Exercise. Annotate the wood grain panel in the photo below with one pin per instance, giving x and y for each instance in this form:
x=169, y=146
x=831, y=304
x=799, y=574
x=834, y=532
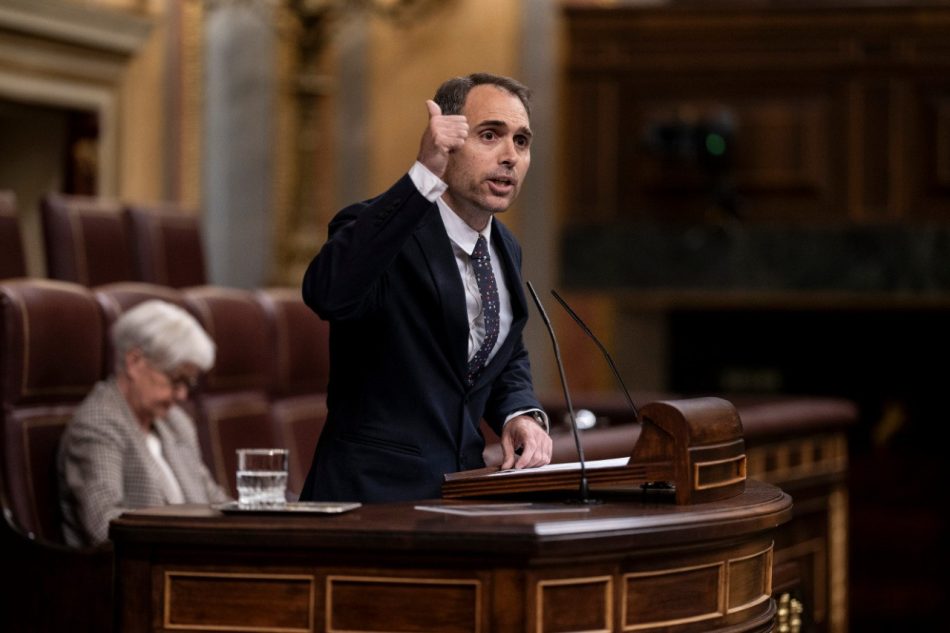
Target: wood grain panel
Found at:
x=839, y=113
x=750, y=580
x=672, y=596
x=357, y=604
x=927, y=152
x=238, y=602
x=942, y=140
x=575, y=605
x=783, y=143
x=877, y=138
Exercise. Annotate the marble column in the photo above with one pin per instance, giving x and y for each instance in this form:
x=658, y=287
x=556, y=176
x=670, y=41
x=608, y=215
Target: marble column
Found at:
x=239, y=142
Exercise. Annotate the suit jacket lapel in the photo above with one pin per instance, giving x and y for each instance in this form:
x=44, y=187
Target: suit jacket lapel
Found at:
x=519, y=304
x=139, y=489
x=437, y=251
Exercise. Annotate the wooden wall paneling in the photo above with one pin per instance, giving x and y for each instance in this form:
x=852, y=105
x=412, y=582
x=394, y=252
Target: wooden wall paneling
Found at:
x=877, y=149
x=783, y=160
x=831, y=106
x=590, y=148
x=928, y=148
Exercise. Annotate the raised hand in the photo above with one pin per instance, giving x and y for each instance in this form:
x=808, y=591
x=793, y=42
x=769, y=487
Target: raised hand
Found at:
x=443, y=135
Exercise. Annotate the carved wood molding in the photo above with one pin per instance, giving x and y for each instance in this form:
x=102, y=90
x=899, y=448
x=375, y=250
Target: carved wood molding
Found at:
x=78, y=24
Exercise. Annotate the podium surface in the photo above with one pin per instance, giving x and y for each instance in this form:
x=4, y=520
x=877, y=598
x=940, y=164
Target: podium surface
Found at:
x=628, y=564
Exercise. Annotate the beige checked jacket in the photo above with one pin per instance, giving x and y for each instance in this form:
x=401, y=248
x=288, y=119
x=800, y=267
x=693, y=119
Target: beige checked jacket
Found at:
x=105, y=467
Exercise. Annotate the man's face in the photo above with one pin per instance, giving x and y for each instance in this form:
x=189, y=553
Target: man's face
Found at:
x=485, y=175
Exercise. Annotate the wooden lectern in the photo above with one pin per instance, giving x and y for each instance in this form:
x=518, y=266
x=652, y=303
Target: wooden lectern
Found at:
x=695, y=444
x=640, y=564
x=444, y=566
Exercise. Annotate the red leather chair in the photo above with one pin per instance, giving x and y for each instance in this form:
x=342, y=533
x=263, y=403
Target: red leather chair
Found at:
x=167, y=245
x=50, y=357
x=299, y=372
x=12, y=260
x=233, y=406
x=86, y=240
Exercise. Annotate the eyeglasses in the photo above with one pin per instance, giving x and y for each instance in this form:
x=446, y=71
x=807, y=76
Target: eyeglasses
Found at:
x=177, y=380
x=182, y=381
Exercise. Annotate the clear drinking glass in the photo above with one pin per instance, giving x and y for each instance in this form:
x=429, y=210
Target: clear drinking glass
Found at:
x=262, y=477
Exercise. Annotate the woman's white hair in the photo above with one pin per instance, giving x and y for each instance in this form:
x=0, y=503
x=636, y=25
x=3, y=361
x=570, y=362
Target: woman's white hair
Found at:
x=167, y=335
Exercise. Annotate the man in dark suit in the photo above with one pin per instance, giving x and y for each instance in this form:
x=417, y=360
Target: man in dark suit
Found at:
x=422, y=288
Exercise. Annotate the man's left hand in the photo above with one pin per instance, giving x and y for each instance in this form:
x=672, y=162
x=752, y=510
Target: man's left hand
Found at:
x=525, y=433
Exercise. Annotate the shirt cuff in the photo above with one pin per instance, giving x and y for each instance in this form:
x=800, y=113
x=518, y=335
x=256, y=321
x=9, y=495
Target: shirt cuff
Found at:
x=428, y=184
x=538, y=415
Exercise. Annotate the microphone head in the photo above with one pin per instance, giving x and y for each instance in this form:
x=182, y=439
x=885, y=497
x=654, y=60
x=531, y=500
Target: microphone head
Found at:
x=584, y=418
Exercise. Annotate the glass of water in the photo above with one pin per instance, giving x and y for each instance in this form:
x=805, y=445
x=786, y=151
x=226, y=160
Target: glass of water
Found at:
x=262, y=477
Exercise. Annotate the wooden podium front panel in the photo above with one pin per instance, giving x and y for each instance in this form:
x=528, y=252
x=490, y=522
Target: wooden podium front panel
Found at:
x=673, y=596
x=449, y=605
x=575, y=604
x=199, y=599
x=619, y=566
x=720, y=585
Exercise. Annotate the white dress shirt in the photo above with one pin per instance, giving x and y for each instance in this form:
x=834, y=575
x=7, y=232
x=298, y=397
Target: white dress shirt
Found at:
x=169, y=483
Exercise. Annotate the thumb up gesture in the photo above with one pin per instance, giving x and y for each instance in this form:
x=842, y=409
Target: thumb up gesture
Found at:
x=443, y=135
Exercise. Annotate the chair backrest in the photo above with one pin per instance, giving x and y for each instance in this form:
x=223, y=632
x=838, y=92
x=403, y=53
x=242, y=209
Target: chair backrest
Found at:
x=298, y=422
x=301, y=343
x=86, y=240
x=167, y=245
x=12, y=259
x=233, y=407
x=299, y=373
x=50, y=357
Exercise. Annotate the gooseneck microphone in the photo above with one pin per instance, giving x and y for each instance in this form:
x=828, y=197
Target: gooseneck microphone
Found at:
x=584, y=488
x=610, y=361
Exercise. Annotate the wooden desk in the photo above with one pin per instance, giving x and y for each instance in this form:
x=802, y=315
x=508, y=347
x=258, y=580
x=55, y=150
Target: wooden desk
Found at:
x=619, y=566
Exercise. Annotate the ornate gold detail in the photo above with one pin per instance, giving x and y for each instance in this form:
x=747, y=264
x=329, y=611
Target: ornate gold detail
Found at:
x=838, y=559
x=788, y=619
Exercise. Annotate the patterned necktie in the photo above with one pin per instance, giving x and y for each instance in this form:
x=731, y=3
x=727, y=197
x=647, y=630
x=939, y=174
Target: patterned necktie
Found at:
x=488, y=289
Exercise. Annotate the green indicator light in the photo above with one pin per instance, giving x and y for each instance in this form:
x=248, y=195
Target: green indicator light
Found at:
x=715, y=144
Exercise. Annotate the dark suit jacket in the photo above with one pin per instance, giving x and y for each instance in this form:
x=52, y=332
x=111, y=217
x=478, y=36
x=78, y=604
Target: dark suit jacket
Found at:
x=400, y=412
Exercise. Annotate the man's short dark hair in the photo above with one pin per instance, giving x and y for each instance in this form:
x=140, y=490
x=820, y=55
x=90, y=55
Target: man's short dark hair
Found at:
x=451, y=95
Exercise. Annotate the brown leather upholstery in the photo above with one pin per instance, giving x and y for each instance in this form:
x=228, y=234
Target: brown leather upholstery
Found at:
x=298, y=422
x=86, y=240
x=300, y=369
x=167, y=245
x=233, y=407
x=116, y=298
x=12, y=260
x=51, y=357
x=301, y=342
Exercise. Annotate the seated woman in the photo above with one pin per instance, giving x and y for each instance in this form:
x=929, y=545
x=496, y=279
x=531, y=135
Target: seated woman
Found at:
x=130, y=444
